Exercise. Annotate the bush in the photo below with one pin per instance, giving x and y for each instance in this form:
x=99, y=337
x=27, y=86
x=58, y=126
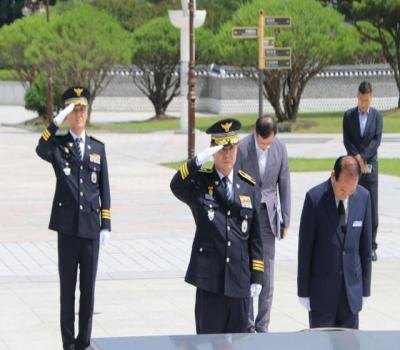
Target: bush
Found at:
x=36, y=96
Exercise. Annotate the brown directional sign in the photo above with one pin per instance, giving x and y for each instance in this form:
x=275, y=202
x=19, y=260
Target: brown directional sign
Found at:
x=269, y=42
x=278, y=21
x=245, y=32
x=281, y=52
x=284, y=63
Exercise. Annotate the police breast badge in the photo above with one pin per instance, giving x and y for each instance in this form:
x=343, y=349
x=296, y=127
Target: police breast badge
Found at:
x=211, y=214
x=93, y=177
x=245, y=225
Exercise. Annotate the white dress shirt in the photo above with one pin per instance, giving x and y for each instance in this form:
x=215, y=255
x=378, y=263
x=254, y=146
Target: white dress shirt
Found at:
x=363, y=117
x=262, y=157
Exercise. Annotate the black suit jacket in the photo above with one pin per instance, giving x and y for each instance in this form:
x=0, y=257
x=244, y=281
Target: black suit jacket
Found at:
x=227, y=252
x=81, y=204
x=366, y=145
x=325, y=259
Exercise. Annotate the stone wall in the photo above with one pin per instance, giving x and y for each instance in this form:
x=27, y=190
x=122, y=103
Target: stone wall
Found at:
x=224, y=90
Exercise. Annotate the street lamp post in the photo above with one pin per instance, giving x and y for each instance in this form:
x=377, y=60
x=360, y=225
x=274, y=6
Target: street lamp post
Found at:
x=192, y=84
x=49, y=78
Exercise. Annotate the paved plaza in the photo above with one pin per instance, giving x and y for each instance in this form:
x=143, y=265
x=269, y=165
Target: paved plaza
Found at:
x=140, y=289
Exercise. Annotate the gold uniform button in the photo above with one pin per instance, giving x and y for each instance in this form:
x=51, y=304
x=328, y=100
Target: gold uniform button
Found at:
x=81, y=167
x=228, y=228
x=60, y=204
x=228, y=213
x=227, y=260
x=81, y=181
x=229, y=243
x=81, y=207
x=200, y=250
x=81, y=194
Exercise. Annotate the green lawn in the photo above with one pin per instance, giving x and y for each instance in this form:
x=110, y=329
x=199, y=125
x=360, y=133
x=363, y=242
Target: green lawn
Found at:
x=386, y=165
x=7, y=75
x=314, y=123
x=306, y=123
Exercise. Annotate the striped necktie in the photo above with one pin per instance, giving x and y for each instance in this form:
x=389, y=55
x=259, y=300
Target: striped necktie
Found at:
x=226, y=188
x=78, y=141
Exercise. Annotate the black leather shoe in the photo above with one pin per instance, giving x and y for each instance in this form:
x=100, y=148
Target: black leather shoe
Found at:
x=374, y=255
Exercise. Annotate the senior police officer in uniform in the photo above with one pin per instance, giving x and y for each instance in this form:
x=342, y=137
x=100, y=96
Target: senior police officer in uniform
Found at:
x=226, y=263
x=80, y=212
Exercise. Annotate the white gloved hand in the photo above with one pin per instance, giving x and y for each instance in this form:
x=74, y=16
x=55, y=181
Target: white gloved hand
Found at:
x=364, y=302
x=305, y=302
x=104, y=237
x=255, y=290
x=206, y=155
x=58, y=120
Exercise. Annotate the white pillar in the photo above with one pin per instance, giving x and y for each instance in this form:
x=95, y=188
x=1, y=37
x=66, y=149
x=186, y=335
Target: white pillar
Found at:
x=178, y=20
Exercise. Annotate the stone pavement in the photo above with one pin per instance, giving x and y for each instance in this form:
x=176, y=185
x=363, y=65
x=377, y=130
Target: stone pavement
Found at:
x=141, y=289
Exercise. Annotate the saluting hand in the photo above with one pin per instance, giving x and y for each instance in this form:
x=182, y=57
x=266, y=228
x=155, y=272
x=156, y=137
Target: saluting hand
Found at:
x=58, y=120
x=206, y=155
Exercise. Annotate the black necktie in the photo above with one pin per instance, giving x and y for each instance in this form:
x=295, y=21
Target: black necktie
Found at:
x=78, y=141
x=226, y=188
x=342, y=217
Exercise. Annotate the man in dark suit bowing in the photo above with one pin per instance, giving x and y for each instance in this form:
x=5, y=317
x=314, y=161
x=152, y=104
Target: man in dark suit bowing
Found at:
x=362, y=133
x=334, y=256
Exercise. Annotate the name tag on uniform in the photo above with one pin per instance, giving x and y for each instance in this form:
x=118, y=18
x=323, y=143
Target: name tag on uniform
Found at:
x=95, y=158
x=357, y=223
x=245, y=201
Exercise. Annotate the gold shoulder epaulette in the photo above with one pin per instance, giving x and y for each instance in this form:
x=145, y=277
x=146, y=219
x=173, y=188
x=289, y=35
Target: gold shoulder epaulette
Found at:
x=246, y=177
x=93, y=138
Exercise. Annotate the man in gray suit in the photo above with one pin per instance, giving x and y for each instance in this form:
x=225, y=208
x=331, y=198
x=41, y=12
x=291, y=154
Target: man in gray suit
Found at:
x=264, y=157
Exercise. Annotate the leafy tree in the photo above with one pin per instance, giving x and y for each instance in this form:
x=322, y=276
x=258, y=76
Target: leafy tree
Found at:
x=156, y=53
x=379, y=21
x=15, y=40
x=317, y=38
x=36, y=96
x=131, y=13
x=81, y=45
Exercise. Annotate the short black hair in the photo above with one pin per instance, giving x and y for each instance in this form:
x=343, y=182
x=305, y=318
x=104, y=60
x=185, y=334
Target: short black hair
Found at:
x=365, y=88
x=265, y=126
x=348, y=164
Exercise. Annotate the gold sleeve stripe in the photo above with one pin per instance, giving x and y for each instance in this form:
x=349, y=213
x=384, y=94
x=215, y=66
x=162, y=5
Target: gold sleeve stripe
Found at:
x=184, y=171
x=46, y=135
x=260, y=264
x=258, y=261
x=258, y=269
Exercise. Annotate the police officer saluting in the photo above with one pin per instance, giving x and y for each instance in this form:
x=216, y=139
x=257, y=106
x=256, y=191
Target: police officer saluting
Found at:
x=80, y=213
x=226, y=263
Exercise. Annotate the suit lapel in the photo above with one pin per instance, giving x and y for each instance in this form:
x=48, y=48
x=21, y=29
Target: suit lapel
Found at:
x=219, y=189
x=330, y=204
x=88, y=148
x=350, y=217
x=368, y=124
x=252, y=153
x=71, y=146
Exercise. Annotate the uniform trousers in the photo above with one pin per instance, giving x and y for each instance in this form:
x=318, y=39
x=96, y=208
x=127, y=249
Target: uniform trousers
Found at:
x=74, y=252
x=216, y=313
